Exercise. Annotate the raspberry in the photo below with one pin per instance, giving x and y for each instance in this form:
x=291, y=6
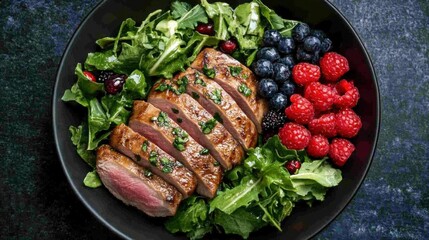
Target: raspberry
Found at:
x=321, y=96
x=324, y=125
x=333, y=66
x=318, y=147
x=347, y=123
x=305, y=73
x=349, y=94
x=294, y=136
x=340, y=151
x=301, y=110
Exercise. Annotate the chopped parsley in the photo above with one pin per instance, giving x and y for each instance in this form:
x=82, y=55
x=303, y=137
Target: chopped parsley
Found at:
x=153, y=157
x=216, y=96
x=147, y=173
x=162, y=87
x=182, y=84
x=200, y=82
x=204, y=151
x=209, y=72
x=245, y=76
x=243, y=89
x=235, y=71
x=175, y=110
x=167, y=165
x=218, y=117
x=181, y=139
x=208, y=126
x=195, y=95
x=163, y=120
x=145, y=145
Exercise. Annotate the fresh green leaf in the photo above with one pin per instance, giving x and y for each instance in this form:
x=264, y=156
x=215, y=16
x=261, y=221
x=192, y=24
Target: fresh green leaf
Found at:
x=87, y=87
x=79, y=137
x=221, y=14
x=191, y=18
x=275, y=21
x=178, y=9
x=97, y=122
x=241, y=222
x=76, y=95
x=191, y=218
x=92, y=180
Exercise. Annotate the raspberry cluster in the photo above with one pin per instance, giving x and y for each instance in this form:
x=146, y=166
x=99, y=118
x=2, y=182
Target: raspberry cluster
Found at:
x=321, y=118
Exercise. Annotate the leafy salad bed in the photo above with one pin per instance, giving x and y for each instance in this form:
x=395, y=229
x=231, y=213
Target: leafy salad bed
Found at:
x=259, y=192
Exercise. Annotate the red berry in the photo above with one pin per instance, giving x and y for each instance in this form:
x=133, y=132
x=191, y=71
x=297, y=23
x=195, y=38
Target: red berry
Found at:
x=90, y=76
x=321, y=96
x=305, y=73
x=294, y=136
x=340, y=151
x=348, y=94
x=318, y=147
x=301, y=110
x=347, y=123
x=293, y=166
x=324, y=125
x=333, y=66
x=205, y=28
x=228, y=46
x=114, y=83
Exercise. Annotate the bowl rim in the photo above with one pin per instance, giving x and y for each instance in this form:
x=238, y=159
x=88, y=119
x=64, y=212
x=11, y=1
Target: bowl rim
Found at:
x=124, y=235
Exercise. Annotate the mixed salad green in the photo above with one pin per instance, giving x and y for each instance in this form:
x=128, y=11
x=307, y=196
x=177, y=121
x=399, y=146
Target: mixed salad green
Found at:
x=257, y=193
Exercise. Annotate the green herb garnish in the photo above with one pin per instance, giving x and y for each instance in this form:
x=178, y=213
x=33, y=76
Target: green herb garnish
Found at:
x=200, y=82
x=162, y=87
x=167, y=165
x=182, y=84
x=195, y=95
x=163, y=120
x=181, y=139
x=208, y=126
x=243, y=89
x=204, y=151
x=153, y=157
x=147, y=173
x=235, y=71
x=216, y=96
x=218, y=117
x=145, y=145
x=209, y=72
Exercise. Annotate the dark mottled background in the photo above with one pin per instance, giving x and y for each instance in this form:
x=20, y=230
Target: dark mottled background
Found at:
x=36, y=201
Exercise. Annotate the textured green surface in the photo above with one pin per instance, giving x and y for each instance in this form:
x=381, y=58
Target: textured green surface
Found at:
x=36, y=201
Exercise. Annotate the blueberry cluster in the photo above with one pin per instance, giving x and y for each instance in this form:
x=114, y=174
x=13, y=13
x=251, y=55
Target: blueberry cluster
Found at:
x=274, y=62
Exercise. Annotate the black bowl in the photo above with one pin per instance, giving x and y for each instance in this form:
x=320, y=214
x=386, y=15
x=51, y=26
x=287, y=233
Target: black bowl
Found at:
x=305, y=222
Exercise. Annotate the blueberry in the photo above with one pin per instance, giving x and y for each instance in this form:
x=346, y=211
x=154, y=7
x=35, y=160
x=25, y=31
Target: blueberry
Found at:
x=267, y=88
x=263, y=68
x=281, y=72
x=300, y=31
x=114, y=83
x=288, y=88
x=302, y=55
x=271, y=38
x=286, y=45
x=288, y=60
x=326, y=45
x=311, y=44
x=278, y=102
x=319, y=34
x=268, y=53
x=315, y=58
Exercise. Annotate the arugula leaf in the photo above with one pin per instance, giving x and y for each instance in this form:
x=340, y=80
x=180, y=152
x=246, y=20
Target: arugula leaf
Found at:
x=79, y=137
x=126, y=32
x=88, y=88
x=92, y=180
x=221, y=14
x=241, y=222
x=191, y=18
x=191, y=218
x=76, y=95
x=107, y=60
x=178, y=9
x=97, y=122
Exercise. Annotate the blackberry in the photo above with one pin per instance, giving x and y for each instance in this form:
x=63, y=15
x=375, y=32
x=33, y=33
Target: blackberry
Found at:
x=104, y=75
x=273, y=121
